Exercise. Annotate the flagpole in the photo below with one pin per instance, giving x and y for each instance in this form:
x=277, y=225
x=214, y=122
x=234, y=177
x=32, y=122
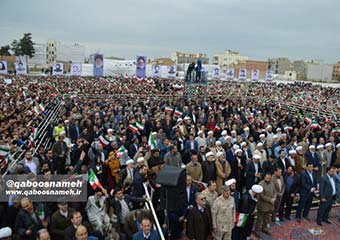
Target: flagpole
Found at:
x=153, y=212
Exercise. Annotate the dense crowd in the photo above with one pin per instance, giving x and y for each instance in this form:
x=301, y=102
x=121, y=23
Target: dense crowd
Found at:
x=242, y=145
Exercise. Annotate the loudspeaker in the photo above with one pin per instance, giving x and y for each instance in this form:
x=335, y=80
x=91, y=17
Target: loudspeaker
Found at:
x=173, y=195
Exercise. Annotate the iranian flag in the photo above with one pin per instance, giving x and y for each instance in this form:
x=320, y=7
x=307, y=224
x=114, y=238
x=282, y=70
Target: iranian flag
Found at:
x=36, y=109
x=168, y=110
x=41, y=213
x=139, y=126
x=217, y=128
x=35, y=133
x=133, y=128
x=103, y=140
x=151, y=141
x=308, y=119
x=93, y=180
x=178, y=113
x=41, y=107
x=289, y=128
x=3, y=151
x=335, y=131
x=121, y=151
x=241, y=219
x=315, y=126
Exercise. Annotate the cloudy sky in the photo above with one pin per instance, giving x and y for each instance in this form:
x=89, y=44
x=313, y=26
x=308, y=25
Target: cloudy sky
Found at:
x=298, y=29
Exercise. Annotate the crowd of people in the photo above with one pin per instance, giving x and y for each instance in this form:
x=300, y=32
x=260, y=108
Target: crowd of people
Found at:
x=244, y=150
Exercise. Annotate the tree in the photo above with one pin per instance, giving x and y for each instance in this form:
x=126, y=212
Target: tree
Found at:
x=27, y=45
x=4, y=50
x=15, y=47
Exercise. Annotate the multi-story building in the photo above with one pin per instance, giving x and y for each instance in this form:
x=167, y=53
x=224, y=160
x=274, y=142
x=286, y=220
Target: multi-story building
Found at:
x=279, y=65
x=251, y=65
x=299, y=67
x=59, y=52
x=336, y=71
x=227, y=59
x=319, y=72
x=39, y=58
x=182, y=58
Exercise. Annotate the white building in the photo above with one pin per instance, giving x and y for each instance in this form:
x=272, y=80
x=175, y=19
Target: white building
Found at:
x=319, y=72
x=227, y=59
x=39, y=58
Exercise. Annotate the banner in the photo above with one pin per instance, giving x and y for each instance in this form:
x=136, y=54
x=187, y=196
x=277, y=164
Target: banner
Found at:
x=230, y=73
x=58, y=69
x=20, y=68
x=269, y=75
x=3, y=67
x=141, y=67
x=215, y=72
x=255, y=74
x=171, y=71
x=98, y=65
x=242, y=74
x=156, y=70
x=75, y=69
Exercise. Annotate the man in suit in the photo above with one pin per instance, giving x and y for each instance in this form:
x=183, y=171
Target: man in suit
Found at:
x=27, y=222
x=76, y=219
x=138, y=188
x=253, y=172
x=60, y=152
x=61, y=219
x=327, y=195
x=282, y=161
x=133, y=221
x=30, y=163
x=311, y=156
x=279, y=186
x=191, y=191
x=308, y=186
x=147, y=233
x=199, y=220
x=291, y=180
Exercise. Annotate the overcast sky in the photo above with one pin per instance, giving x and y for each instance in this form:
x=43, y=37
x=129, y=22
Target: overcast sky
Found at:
x=298, y=29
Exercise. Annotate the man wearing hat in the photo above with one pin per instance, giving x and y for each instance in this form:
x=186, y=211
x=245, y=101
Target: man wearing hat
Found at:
x=300, y=161
x=336, y=156
x=238, y=166
x=253, y=172
x=126, y=174
x=323, y=160
x=211, y=140
x=6, y=233
x=231, y=153
x=291, y=157
x=328, y=154
x=209, y=168
x=248, y=206
x=223, y=215
x=260, y=151
x=312, y=157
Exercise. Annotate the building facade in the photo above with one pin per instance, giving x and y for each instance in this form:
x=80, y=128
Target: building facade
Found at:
x=182, y=58
x=279, y=65
x=251, y=65
x=319, y=72
x=59, y=52
x=336, y=71
x=39, y=58
x=228, y=59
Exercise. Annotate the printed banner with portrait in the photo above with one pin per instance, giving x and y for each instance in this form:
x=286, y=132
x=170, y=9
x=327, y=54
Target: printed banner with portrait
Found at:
x=157, y=71
x=171, y=70
x=242, y=75
x=141, y=67
x=230, y=73
x=269, y=75
x=75, y=69
x=3, y=67
x=255, y=74
x=98, y=65
x=215, y=72
x=58, y=69
x=20, y=68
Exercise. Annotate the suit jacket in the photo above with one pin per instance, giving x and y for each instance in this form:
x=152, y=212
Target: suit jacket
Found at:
x=59, y=223
x=279, y=163
x=138, y=189
x=199, y=225
x=187, y=145
x=279, y=192
x=130, y=225
x=337, y=184
x=154, y=235
x=314, y=160
x=191, y=197
x=295, y=186
x=326, y=190
x=264, y=203
x=24, y=221
x=306, y=183
x=250, y=174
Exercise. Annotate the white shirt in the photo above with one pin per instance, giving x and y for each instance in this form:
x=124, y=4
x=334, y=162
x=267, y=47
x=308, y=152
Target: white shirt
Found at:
x=31, y=165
